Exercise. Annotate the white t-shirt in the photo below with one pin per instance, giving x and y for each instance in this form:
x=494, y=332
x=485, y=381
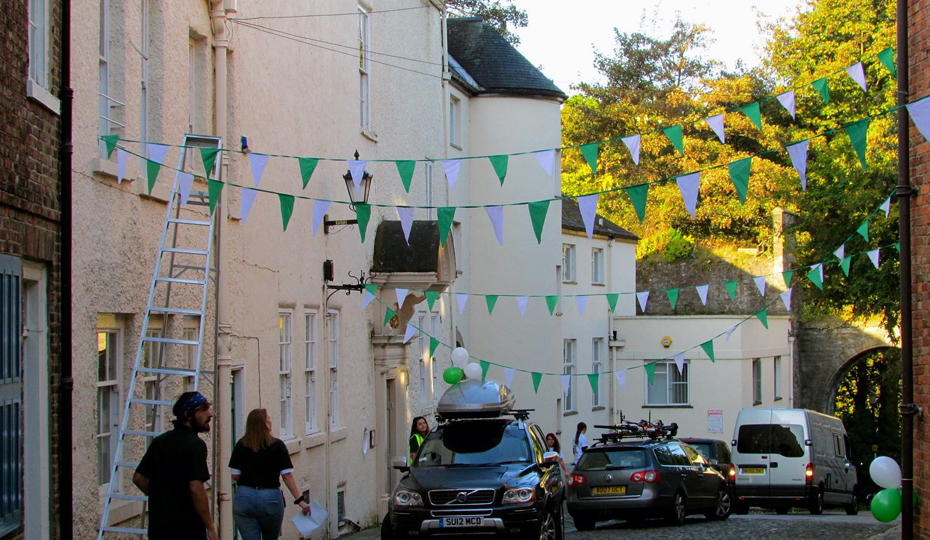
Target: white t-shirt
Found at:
x=579, y=446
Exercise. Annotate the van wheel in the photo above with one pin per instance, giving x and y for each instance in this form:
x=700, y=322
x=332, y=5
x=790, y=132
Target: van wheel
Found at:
x=817, y=503
x=853, y=507
x=723, y=508
x=782, y=510
x=678, y=511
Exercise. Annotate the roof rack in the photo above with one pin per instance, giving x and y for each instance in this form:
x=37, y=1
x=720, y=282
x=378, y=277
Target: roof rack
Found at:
x=643, y=429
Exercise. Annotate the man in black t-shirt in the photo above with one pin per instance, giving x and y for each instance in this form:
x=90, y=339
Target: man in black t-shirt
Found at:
x=173, y=471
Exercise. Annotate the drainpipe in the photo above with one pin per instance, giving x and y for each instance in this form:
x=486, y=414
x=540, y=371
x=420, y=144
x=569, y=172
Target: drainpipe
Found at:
x=66, y=383
x=223, y=351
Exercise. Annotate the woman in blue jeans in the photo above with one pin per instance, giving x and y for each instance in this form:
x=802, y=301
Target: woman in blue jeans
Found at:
x=257, y=462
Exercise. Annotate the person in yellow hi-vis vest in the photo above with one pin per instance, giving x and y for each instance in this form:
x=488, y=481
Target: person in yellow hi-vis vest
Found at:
x=418, y=431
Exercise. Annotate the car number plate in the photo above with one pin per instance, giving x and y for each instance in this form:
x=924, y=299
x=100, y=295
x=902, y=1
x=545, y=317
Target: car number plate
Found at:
x=461, y=521
x=609, y=490
x=753, y=470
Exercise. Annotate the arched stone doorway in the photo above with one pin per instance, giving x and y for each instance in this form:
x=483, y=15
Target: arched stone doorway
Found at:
x=843, y=371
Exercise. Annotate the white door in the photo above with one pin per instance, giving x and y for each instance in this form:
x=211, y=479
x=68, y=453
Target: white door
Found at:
x=751, y=453
x=789, y=455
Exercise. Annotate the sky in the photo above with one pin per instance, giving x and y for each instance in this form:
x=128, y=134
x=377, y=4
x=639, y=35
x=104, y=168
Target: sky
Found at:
x=562, y=39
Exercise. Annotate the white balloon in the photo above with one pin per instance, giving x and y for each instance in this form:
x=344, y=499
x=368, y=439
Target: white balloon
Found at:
x=459, y=357
x=473, y=372
x=885, y=472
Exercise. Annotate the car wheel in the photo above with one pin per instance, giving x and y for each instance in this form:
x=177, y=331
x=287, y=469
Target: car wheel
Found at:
x=782, y=510
x=678, y=511
x=817, y=503
x=549, y=526
x=724, y=506
x=584, y=523
x=386, y=532
x=853, y=507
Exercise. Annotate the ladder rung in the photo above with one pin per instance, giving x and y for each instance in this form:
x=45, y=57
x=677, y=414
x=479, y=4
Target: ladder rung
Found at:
x=177, y=311
x=121, y=497
x=189, y=222
x=127, y=530
x=128, y=464
x=151, y=402
x=141, y=433
x=190, y=267
x=169, y=340
x=163, y=371
x=184, y=251
x=178, y=280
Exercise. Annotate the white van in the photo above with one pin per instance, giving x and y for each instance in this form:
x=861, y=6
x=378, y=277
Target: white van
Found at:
x=788, y=458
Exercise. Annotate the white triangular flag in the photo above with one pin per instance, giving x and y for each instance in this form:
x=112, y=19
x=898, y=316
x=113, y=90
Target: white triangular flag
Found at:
x=633, y=143
x=582, y=301
x=886, y=206
x=521, y=303
x=819, y=269
x=462, y=299
x=508, y=374
x=798, y=154
x=496, y=213
x=873, y=256
x=545, y=158
x=621, y=379
x=566, y=382
x=185, y=183
x=643, y=297
x=730, y=332
x=690, y=186
x=248, y=198
x=716, y=124
x=760, y=284
x=857, y=72
x=920, y=114
x=122, y=159
x=840, y=252
x=409, y=332
x=357, y=170
x=367, y=299
x=319, y=210
x=451, y=168
x=405, y=213
x=157, y=152
x=680, y=362
x=401, y=296
x=258, y=162
x=702, y=292
x=786, y=299
x=588, y=207
x=787, y=101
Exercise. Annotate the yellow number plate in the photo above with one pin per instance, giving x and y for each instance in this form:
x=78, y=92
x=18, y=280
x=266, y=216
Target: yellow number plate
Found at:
x=610, y=490
x=754, y=470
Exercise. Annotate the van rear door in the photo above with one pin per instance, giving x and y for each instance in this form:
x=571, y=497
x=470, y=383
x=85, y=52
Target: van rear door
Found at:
x=789, y=454
x=751, y=454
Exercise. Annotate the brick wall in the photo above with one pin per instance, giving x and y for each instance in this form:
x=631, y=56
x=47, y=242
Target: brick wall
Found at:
x=29, y=208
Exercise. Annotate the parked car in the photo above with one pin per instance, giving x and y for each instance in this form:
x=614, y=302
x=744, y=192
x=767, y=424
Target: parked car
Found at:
x=788, y=458
x=483, y=471
x=717, y=453
x=619, y=478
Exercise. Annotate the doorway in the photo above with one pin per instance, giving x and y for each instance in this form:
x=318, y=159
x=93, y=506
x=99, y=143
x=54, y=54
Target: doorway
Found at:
x=390, y=448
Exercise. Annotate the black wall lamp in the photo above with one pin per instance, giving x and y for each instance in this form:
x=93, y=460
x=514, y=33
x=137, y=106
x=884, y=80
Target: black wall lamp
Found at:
x=363, y=190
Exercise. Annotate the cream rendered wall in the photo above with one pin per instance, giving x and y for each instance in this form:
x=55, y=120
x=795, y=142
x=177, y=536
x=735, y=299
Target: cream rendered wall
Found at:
x=725, y=384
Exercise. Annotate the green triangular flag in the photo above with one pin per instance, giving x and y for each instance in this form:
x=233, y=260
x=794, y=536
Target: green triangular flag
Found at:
x=821, y=86
x=787, y=274
x=763, y=316
x=444, y=217
x=307, y=166
x=214, y=187
x=752, y=111
x=650, y=372
x=589, y=151
x=551, y=301
x=363, y=214
x=844, y=264
x=431, y=299
x=151, y=172
x=863, y=230
x=287, y=208
x=674, y=134
x=537, y=378
x=886, y=57
x=208, y=156
x=485, y=366
x=858, y=136
x=110, y=141
x=731, y=288
x=672, y=297
x=708, y=347
x=612, y=301
x=388, y=315
x=739, y=175
x=814, y=276
x=490, y=299
x=371, y=288
x=592, y=380
x=638, y=198
x=538, y=212
x=405, y=170
x=897, y=246
x=433, y=343
x=500, y=166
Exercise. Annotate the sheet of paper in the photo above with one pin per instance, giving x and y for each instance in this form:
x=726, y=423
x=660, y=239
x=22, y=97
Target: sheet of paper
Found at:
x=307, y=524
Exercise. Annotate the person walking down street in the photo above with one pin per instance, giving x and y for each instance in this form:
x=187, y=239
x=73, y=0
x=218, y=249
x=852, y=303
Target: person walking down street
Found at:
x=554, y=446
x=173, y=471
x=581, y=442
x=258, y=461
x=419, y=429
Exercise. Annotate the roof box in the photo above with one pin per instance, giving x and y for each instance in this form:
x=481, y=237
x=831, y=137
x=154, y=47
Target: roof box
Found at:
x=476, y=399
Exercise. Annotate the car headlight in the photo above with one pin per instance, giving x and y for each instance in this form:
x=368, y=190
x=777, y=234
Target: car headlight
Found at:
x=519, y=495
x=408, y=498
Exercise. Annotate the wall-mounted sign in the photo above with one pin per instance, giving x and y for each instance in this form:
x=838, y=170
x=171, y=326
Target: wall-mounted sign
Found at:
x=667, y=341
x=715, y=420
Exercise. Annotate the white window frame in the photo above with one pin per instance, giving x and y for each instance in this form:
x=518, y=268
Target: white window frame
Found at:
x=423, y=347
x=191, y=84
x=597, y=266
x=144, y=83
x=597, y=366
x=364, y=68
x=113, y=389
x=12, y=373
x=569, y=356
x=665, y=372
x=756, y=381
x=776, y=364
x=333, y=343
x=285, y=364
x=38, y=42
x=311, y=353
x=455, y=121
x=568, y=263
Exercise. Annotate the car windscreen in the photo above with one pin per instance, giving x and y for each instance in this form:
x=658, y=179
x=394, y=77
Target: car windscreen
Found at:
x=484, y=442
x=704, y=448
x=784, y=439
x=611, y=459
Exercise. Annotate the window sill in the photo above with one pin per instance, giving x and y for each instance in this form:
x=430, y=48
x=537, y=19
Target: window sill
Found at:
x=777, y=398
x=570, y=282
x=104, y=167
x=293, y=445
x=756, y=403
x=456, y=146
x=43, y=97
x=161, y=192
x=597, y=408
x=338, y=433
x=314, y=439
x=569, y=413
x=370, y=135
x=598, y=284
x=668, y=406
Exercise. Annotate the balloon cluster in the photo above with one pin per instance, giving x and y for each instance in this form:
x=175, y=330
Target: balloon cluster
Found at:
x=461, y=367
x=886, y=504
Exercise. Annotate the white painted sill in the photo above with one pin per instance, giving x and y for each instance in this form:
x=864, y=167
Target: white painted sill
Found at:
x=43, y=97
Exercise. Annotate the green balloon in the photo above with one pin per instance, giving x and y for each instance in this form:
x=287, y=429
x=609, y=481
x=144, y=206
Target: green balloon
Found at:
x=914, y=493
x=453, y=375
x=886, y=505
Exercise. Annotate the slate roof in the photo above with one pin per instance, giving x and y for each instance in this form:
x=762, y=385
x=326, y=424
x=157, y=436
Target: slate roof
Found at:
x=494, y=63
x=571, y=220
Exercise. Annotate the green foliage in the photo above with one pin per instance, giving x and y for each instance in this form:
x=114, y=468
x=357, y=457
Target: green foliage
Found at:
x=672, y=246
x=498, y=13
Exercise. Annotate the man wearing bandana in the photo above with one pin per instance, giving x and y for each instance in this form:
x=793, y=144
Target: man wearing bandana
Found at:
x=173, y=471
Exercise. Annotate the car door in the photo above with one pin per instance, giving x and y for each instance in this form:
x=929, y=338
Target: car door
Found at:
x=552, y=476
x=708, y=477
x=690, y=476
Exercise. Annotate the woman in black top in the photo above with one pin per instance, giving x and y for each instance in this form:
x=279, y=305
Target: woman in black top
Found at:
x=419, y=429
x=257, y=461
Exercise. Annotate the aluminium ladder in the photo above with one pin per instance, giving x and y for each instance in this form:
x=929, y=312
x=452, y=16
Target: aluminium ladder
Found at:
x=153, y=367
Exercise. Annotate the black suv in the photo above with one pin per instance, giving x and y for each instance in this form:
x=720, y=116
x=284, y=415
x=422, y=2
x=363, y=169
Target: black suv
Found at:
x=480, y=472
x=717, y=453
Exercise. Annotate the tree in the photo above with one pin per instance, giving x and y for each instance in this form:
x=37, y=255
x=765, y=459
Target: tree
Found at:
x=498, y=13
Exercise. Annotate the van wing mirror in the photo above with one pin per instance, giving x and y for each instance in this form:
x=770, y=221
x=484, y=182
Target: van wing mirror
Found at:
x=808, y=442
x=400, y=463
x=733, y=443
